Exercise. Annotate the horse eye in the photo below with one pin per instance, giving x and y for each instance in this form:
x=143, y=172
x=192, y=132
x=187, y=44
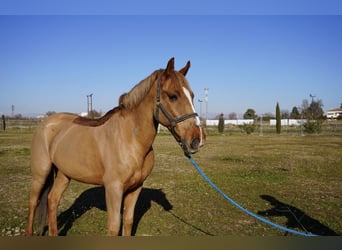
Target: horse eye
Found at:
x=173, y=98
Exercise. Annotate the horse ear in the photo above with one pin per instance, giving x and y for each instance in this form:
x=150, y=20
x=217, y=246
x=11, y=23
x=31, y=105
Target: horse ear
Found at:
x=170, y=66
x=185, y=69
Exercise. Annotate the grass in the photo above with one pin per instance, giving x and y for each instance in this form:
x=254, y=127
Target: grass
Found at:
x=292, y=180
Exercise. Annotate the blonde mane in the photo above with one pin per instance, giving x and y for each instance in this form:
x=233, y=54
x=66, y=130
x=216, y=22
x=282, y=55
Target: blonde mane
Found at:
x=131, y=99
x=128, y=100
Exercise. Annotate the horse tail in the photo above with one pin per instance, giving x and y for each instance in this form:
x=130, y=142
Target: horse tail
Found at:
x=41, y=212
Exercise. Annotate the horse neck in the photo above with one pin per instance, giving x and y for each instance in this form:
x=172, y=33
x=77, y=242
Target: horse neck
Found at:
x=140, y=120
x=144, y=113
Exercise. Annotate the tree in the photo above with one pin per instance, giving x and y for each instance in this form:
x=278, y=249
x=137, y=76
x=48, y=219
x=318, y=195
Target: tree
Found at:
x=50, y=113
x=295, y=113
x=313, y=113
x=232, y=116
x=313, y=110
x=3, y=122
x=221, y=124
x=285, y=114
x=249, y=128
x=95, y=114
x=267, y=116
x=18, y=116
x=316, y=109
x=278, y=119
x=249, y=114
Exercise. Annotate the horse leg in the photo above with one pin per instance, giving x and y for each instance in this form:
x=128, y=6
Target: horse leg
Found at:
x=128, y=213
x=132, y=197
x=36, y=188
x=39, y=178
x=59, y=186
x=114, y=193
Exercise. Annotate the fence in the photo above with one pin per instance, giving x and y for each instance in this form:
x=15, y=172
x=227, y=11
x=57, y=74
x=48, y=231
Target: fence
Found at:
x=290, y=127
x=20, y=124
x=329, y=127
x=272, y=122
x=227, y=122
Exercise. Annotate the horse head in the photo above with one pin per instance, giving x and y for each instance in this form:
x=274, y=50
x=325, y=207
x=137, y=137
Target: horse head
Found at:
x=175, y=109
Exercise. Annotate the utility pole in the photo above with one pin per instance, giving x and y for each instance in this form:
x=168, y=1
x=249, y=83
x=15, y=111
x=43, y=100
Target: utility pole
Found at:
x=206, y=90
x=312, y=97
x=200, y=102
x=90, y=105
x=311, y=105
x=12, y=108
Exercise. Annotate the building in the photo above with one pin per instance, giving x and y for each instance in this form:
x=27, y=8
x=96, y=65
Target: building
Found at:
x=233, y=122
x=334, y=113
x=288, y=122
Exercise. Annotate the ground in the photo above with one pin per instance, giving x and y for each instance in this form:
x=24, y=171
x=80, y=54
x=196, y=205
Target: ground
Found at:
x=290, y=179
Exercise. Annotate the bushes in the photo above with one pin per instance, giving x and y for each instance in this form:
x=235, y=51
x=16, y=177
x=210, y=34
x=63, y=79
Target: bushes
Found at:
x=313, y=127
x=248, y=128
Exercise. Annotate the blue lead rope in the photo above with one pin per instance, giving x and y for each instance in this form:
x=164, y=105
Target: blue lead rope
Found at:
x=206, y=178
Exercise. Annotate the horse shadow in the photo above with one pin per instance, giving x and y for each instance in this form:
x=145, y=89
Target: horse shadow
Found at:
x=296, y=218
x=95, y=198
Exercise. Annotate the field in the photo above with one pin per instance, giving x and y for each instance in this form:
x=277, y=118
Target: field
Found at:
x=290, y=179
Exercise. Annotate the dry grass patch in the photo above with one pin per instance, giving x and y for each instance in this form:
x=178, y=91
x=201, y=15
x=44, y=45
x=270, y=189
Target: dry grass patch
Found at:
x=303, y=174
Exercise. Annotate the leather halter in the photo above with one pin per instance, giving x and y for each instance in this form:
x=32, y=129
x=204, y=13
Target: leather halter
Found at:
x=173, y=121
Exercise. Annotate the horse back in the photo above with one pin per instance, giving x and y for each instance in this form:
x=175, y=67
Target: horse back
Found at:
x=51, y=127
x=69, y=146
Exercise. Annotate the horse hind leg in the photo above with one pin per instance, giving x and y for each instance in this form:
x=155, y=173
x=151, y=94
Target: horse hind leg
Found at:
x=58, y=188
x=41, y=183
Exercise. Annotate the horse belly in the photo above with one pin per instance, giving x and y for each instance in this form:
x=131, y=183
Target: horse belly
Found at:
x=79, y=160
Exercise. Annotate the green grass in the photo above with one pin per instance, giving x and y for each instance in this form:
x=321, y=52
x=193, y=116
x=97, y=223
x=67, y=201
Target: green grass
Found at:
x=303, y=173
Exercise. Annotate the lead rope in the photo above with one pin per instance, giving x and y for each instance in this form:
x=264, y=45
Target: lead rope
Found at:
x=206, y=178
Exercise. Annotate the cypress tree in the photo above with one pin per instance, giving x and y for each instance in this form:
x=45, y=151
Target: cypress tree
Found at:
x=278, y=119
x=3, y=122
x=221, y=124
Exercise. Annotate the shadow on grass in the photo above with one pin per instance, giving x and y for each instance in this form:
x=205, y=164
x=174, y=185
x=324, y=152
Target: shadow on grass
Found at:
x=95, y=198
x=296, y=218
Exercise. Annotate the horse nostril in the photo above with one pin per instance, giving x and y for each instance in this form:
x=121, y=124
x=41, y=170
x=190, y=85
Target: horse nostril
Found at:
x=195, y=143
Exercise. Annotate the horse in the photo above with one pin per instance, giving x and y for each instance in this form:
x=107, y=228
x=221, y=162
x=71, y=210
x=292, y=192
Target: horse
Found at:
x=114, y=151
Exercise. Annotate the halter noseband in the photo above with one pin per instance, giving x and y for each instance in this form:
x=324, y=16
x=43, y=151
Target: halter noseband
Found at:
x=173, y=121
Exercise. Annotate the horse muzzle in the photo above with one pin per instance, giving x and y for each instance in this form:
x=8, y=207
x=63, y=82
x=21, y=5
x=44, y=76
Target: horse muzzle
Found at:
x=192, y=146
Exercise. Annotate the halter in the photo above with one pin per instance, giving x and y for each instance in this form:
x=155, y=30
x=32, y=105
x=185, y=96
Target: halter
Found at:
x=173, y=121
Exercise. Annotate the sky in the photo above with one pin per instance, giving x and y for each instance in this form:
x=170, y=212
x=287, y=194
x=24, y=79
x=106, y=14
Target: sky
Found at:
x=51, y=59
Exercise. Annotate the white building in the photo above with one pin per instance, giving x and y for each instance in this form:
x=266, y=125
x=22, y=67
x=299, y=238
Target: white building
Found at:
x=288, y=122
x=334, y=113
x=233, y=122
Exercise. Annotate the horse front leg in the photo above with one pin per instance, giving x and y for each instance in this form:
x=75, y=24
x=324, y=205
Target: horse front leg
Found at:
x=132, y=197
x=128, y=213
x=114, y=194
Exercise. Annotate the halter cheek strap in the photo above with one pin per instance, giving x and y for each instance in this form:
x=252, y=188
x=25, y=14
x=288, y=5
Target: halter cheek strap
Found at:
x=173, y=121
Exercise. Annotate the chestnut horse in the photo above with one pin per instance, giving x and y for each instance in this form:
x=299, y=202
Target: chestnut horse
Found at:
x=115, y=150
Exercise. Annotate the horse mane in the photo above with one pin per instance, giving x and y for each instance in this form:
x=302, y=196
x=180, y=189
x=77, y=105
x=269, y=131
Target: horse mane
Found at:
x=131, y=99
x=126, y=101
